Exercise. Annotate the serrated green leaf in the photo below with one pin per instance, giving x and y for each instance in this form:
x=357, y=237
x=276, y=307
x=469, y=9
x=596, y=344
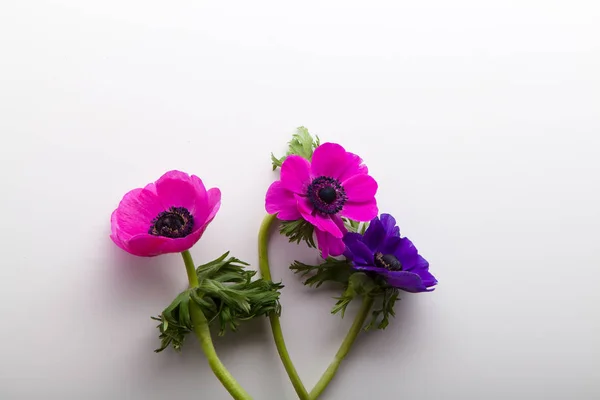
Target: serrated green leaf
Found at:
x=226, y=295
x=301, y=144
x=298, y=230
x=331, y=270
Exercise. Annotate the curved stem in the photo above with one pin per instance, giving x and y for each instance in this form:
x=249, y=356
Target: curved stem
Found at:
x=201, y=328
x=359, y=322
x=263, y=263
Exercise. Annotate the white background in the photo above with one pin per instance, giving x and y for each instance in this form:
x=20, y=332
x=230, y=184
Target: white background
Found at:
x=479, y=119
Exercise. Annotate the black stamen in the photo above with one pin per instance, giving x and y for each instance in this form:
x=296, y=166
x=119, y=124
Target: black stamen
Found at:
x=327, y=194
x=388, y=261
x=176, y=222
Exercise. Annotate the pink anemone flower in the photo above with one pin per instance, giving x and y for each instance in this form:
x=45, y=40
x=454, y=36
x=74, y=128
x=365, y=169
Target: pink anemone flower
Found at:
x=335, y=184
x=167, y=216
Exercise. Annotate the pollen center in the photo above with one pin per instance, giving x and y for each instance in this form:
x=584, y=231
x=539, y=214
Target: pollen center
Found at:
x=327, y=195
x=388, y=261
x=176, y=222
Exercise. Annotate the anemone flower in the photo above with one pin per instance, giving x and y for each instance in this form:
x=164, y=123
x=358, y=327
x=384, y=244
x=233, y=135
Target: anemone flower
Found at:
x=381, y=251
x=167, y=216
x=334, y=184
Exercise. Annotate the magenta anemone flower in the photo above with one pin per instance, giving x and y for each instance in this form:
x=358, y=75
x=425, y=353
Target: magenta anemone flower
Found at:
x=334, y=184
x=167, y=216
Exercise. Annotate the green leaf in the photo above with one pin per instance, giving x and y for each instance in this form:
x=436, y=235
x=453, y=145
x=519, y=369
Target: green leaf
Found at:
x=355, y=226
x=331, y=270
x=226, y=295
x=359, y=284
x=380, y=318
x=302, y=144
x=298, y=230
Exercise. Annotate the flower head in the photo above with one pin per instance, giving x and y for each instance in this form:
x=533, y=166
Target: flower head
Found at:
x=167, y=216
x=383, y=252
x=334, y=184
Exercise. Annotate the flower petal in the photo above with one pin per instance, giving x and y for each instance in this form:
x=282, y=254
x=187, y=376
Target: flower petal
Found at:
x=145, y=245
x=323, y=222
x=357, y=250
x=328, y=244
x=360, y=211
x=214, y=203
x=389, y=245
x=407, y=254
x=329, y=159
x=407, y=281
x=295, y=174
x=114, y=231
x=427, y=278
x=360, y=188
x=389, y=224
x=354, y=166
x=282, y=202
x=200, y=210
x=175, y=189
x=374, y=234
x=136, y=212
x=181, y=244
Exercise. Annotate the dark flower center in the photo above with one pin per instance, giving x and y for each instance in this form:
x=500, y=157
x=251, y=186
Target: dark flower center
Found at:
x=326, y=194
x=176, y=222
x=388, y=261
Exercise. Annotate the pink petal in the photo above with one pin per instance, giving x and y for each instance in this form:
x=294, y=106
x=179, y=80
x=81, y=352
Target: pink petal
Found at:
x=329, y=159
x=354, y=166
x=114, y=231
x=200, y=209
x=136, y=212
x=175, y=189
x=281, y=201
x=360, y=211
x=360, y=188
x=214, y=203
x=323, y=222
x=329, y=245
x=145, y=245
x=295, y=174
x=182, y=244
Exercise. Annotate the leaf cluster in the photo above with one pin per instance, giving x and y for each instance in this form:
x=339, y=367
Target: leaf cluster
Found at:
x=302, y=144
x=355, y=284
x=226, y=295
x=297, y=231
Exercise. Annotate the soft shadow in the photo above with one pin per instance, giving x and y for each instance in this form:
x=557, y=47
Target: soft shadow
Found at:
x=247, y=353
x=141, y=279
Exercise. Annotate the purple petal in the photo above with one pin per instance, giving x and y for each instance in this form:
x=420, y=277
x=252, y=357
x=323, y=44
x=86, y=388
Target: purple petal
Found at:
x=407, y=281
x=357, y=251
x=374, y=235
x=389, y=224
x=390, y=245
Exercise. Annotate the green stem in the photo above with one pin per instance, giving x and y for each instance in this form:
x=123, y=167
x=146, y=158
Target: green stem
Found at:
x=263, y=263
x=201, y=328
x=190, y=269
x=359, y=322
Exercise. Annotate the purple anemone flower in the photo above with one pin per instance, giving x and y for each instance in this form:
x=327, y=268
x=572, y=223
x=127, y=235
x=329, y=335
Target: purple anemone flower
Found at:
x=383, y=252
